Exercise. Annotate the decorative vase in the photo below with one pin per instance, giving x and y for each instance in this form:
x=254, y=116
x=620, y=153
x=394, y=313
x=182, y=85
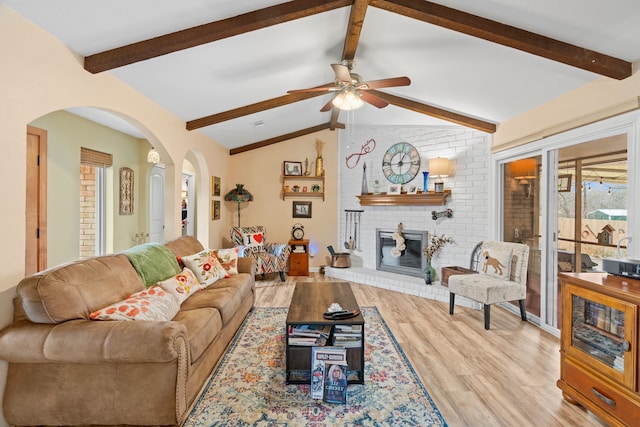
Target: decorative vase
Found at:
x=425, y=175
x=429, y=273
x=319, y=163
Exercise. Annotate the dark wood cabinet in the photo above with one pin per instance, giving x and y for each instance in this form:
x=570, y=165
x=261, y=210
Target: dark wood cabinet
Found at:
x=299, y=258
x=599, y=353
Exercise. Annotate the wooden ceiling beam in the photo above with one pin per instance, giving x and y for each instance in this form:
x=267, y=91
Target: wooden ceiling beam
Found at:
x=284, y=137
x=507, y=35
x=439, y=113
x=250, y=109
x=207, y=33
x=356, y=19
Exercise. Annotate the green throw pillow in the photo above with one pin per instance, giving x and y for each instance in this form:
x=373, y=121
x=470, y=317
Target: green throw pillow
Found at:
x=153, y=262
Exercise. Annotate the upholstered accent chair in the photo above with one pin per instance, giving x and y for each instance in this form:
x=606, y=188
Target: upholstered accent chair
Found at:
x=502, y=276
x=270, y=257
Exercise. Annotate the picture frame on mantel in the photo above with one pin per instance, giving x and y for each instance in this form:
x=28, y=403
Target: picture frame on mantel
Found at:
x=394, y=189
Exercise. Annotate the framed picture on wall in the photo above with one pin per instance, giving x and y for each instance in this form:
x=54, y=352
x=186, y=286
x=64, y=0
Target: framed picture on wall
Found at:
x=215, y=209
x=126, y=191
x=302, y=209
x=215, y=186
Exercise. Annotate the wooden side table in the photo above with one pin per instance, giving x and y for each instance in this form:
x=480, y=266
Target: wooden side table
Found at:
x=299, y=258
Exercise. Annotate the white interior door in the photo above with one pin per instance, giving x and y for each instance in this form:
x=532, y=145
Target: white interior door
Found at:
x=156, y=204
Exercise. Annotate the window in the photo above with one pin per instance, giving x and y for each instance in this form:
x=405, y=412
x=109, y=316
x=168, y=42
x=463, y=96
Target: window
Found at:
x=92, y=202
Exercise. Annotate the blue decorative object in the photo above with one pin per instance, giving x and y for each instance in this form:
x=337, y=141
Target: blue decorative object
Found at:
x=425, y=175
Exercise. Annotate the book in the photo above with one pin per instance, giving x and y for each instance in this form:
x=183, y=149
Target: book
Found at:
x=335, y=382
x=319, y=357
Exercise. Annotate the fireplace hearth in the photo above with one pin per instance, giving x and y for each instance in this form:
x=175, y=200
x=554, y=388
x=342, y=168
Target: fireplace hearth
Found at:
x=410, y=261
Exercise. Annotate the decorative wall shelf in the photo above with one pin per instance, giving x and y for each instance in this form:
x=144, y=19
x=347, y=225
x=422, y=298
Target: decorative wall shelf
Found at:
x=421, y=199
x=302, y=181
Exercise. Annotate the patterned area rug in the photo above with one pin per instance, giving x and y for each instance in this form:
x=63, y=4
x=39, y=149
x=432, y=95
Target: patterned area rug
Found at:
x=248, y=388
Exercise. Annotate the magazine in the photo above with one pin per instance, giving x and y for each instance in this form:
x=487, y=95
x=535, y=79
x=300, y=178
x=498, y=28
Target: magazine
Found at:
x=319, y=357
x=335, y=382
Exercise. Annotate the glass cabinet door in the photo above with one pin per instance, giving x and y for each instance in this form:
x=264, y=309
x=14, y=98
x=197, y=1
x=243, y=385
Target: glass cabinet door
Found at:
x=601, y=333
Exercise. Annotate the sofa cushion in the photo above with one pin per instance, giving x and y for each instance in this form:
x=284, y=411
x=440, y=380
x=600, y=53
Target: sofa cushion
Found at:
x=229, y=260
x=182, y=285
x=76, y=289
x=153, y=303
x=153, y=262
x=206, y=266
x=203, y=325
x=227, y=296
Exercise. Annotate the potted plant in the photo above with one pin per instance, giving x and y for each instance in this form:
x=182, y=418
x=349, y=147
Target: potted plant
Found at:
x=431, y=250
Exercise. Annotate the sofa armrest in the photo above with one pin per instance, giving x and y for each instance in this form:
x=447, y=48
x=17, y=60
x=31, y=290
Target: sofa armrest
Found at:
x=247, y=265
x=88, y=341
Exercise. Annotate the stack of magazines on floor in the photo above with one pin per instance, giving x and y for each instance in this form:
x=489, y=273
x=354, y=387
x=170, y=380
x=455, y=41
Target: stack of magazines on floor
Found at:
x=309, y=335
x=347, y=335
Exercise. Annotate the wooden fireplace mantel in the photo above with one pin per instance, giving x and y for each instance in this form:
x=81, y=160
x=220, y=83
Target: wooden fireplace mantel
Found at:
x=420, y=199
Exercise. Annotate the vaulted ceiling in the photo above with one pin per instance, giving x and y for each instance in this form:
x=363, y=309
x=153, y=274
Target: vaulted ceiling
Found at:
x=225, y=67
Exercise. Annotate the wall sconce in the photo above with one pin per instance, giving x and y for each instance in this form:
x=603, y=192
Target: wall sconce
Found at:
x=153, y=156
x=524, y=171
x=440, y=167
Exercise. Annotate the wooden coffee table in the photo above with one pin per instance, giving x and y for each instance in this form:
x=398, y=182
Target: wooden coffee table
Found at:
x=310, y=300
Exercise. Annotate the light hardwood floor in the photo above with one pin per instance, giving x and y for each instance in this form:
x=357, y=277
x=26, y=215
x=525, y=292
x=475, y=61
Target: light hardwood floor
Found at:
x=502, y=377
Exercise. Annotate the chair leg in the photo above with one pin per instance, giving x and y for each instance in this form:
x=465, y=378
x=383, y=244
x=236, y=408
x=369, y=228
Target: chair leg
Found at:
x=282, y=276
x=523, y=310
x=487, y=316
x=452, y=299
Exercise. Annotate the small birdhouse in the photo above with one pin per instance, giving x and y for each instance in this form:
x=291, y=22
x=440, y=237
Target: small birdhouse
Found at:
x=605, y=237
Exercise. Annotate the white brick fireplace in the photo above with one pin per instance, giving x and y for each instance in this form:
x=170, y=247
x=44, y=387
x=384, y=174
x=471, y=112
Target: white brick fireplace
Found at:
x=468, y=151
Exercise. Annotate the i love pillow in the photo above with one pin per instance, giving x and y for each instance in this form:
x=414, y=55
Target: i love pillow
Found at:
x=252, y=239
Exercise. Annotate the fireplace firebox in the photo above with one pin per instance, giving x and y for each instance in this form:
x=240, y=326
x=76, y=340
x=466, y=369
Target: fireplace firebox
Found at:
x=410, y=261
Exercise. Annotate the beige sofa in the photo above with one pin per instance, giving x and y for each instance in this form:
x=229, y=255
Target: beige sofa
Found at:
x=65, y=369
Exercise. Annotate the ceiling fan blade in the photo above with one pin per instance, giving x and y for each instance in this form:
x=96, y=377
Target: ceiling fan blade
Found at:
x=328, y=106
x=373, y=100
x=342, y=73
x=390, y=82
x=329, y=87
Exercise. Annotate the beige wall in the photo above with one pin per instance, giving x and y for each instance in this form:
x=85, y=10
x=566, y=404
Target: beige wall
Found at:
x=261, y=173
x=603, y=98
x=39, y=75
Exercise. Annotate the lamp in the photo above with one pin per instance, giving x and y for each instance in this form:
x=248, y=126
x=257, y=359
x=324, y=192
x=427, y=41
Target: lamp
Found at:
x=348, y=99
x=441, y=167
x=523, y=171
x=153, y=156
x=239, y=195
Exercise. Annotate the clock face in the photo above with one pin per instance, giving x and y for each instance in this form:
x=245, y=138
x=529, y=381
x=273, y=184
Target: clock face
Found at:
x=298, y=233
x=401, y=163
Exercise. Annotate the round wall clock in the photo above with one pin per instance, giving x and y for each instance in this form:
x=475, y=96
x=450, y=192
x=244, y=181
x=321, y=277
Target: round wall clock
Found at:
x=401, y=163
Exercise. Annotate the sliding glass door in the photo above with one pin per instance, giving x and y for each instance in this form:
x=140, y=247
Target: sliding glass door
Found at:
x=574, y=199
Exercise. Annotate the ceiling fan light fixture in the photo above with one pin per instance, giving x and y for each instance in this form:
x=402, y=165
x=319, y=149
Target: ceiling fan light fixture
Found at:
x=348, y=99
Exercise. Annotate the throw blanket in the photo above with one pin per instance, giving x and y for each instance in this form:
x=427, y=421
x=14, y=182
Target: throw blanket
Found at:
x=153, y=262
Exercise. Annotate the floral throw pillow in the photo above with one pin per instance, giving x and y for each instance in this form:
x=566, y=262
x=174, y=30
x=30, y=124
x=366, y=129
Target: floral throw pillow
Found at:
x=182, y=285
x=496, y=262
x=205, y=266
x=253, y=239
x=153, y=303
x=229, y=260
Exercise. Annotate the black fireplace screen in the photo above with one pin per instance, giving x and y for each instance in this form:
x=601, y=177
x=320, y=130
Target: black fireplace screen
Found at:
x=411, y=260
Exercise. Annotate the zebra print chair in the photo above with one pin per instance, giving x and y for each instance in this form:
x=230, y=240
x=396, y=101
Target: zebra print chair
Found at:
x=270, y=257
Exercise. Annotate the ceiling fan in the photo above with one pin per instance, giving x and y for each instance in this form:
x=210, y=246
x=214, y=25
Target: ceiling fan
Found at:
x=352, y=91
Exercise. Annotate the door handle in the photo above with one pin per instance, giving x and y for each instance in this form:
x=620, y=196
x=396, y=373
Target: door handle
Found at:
x=604, y=398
